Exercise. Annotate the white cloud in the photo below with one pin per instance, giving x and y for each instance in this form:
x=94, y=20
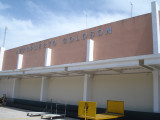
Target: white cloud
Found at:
x=139, y=6
x=4, y=6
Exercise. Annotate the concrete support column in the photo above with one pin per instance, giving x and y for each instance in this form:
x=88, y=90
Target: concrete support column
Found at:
x=48, y=57
x=87, y=92
x=44, y=89
x=15, y=87
x=155, y=28
x=156, y=91
x=19, y=61
x=2, y=49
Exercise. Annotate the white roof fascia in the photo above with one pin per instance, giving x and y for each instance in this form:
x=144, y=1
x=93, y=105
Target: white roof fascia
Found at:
x=152, y=61
x=99, y=64
x=11, y=72
x=49, y=70
x=104, y=65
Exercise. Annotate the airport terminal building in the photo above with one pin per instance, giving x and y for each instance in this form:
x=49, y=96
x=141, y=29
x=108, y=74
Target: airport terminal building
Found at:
x=115, y=61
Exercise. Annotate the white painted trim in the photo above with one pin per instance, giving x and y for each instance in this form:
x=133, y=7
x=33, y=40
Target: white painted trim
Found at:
x=48, y=57
x=155, y=28
x=90, y=50
x=44, y=88
x=156, y=91
x=2, y=49
x=19, y=61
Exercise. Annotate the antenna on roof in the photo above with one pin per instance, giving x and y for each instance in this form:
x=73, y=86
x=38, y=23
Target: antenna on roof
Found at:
x=86, y=20
x=4, y=35
x=131, y=8
x=85, y=13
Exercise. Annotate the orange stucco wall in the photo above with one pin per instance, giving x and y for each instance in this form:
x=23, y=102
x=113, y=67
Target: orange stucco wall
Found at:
x=129, y=37
x=10, y=60
x=33, y=59
x=69, y=53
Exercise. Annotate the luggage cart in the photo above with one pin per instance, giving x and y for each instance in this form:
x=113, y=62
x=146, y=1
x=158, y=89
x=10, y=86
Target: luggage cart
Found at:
x=36, y=113
x=55, y=115
x=31, y=114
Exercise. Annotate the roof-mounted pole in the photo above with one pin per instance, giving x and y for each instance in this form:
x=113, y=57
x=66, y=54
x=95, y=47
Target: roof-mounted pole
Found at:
x=5, y=31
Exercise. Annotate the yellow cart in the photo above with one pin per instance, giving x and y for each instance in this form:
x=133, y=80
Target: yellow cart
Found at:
x=87, y=110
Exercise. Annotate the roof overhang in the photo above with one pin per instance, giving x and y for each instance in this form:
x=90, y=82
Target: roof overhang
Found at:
x=135, y=64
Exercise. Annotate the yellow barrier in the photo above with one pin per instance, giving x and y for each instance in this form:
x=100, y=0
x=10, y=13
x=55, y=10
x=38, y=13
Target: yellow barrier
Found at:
x=115, y=107
x=87, y=110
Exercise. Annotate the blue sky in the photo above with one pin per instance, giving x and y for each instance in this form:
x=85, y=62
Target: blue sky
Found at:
x=29, y=21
